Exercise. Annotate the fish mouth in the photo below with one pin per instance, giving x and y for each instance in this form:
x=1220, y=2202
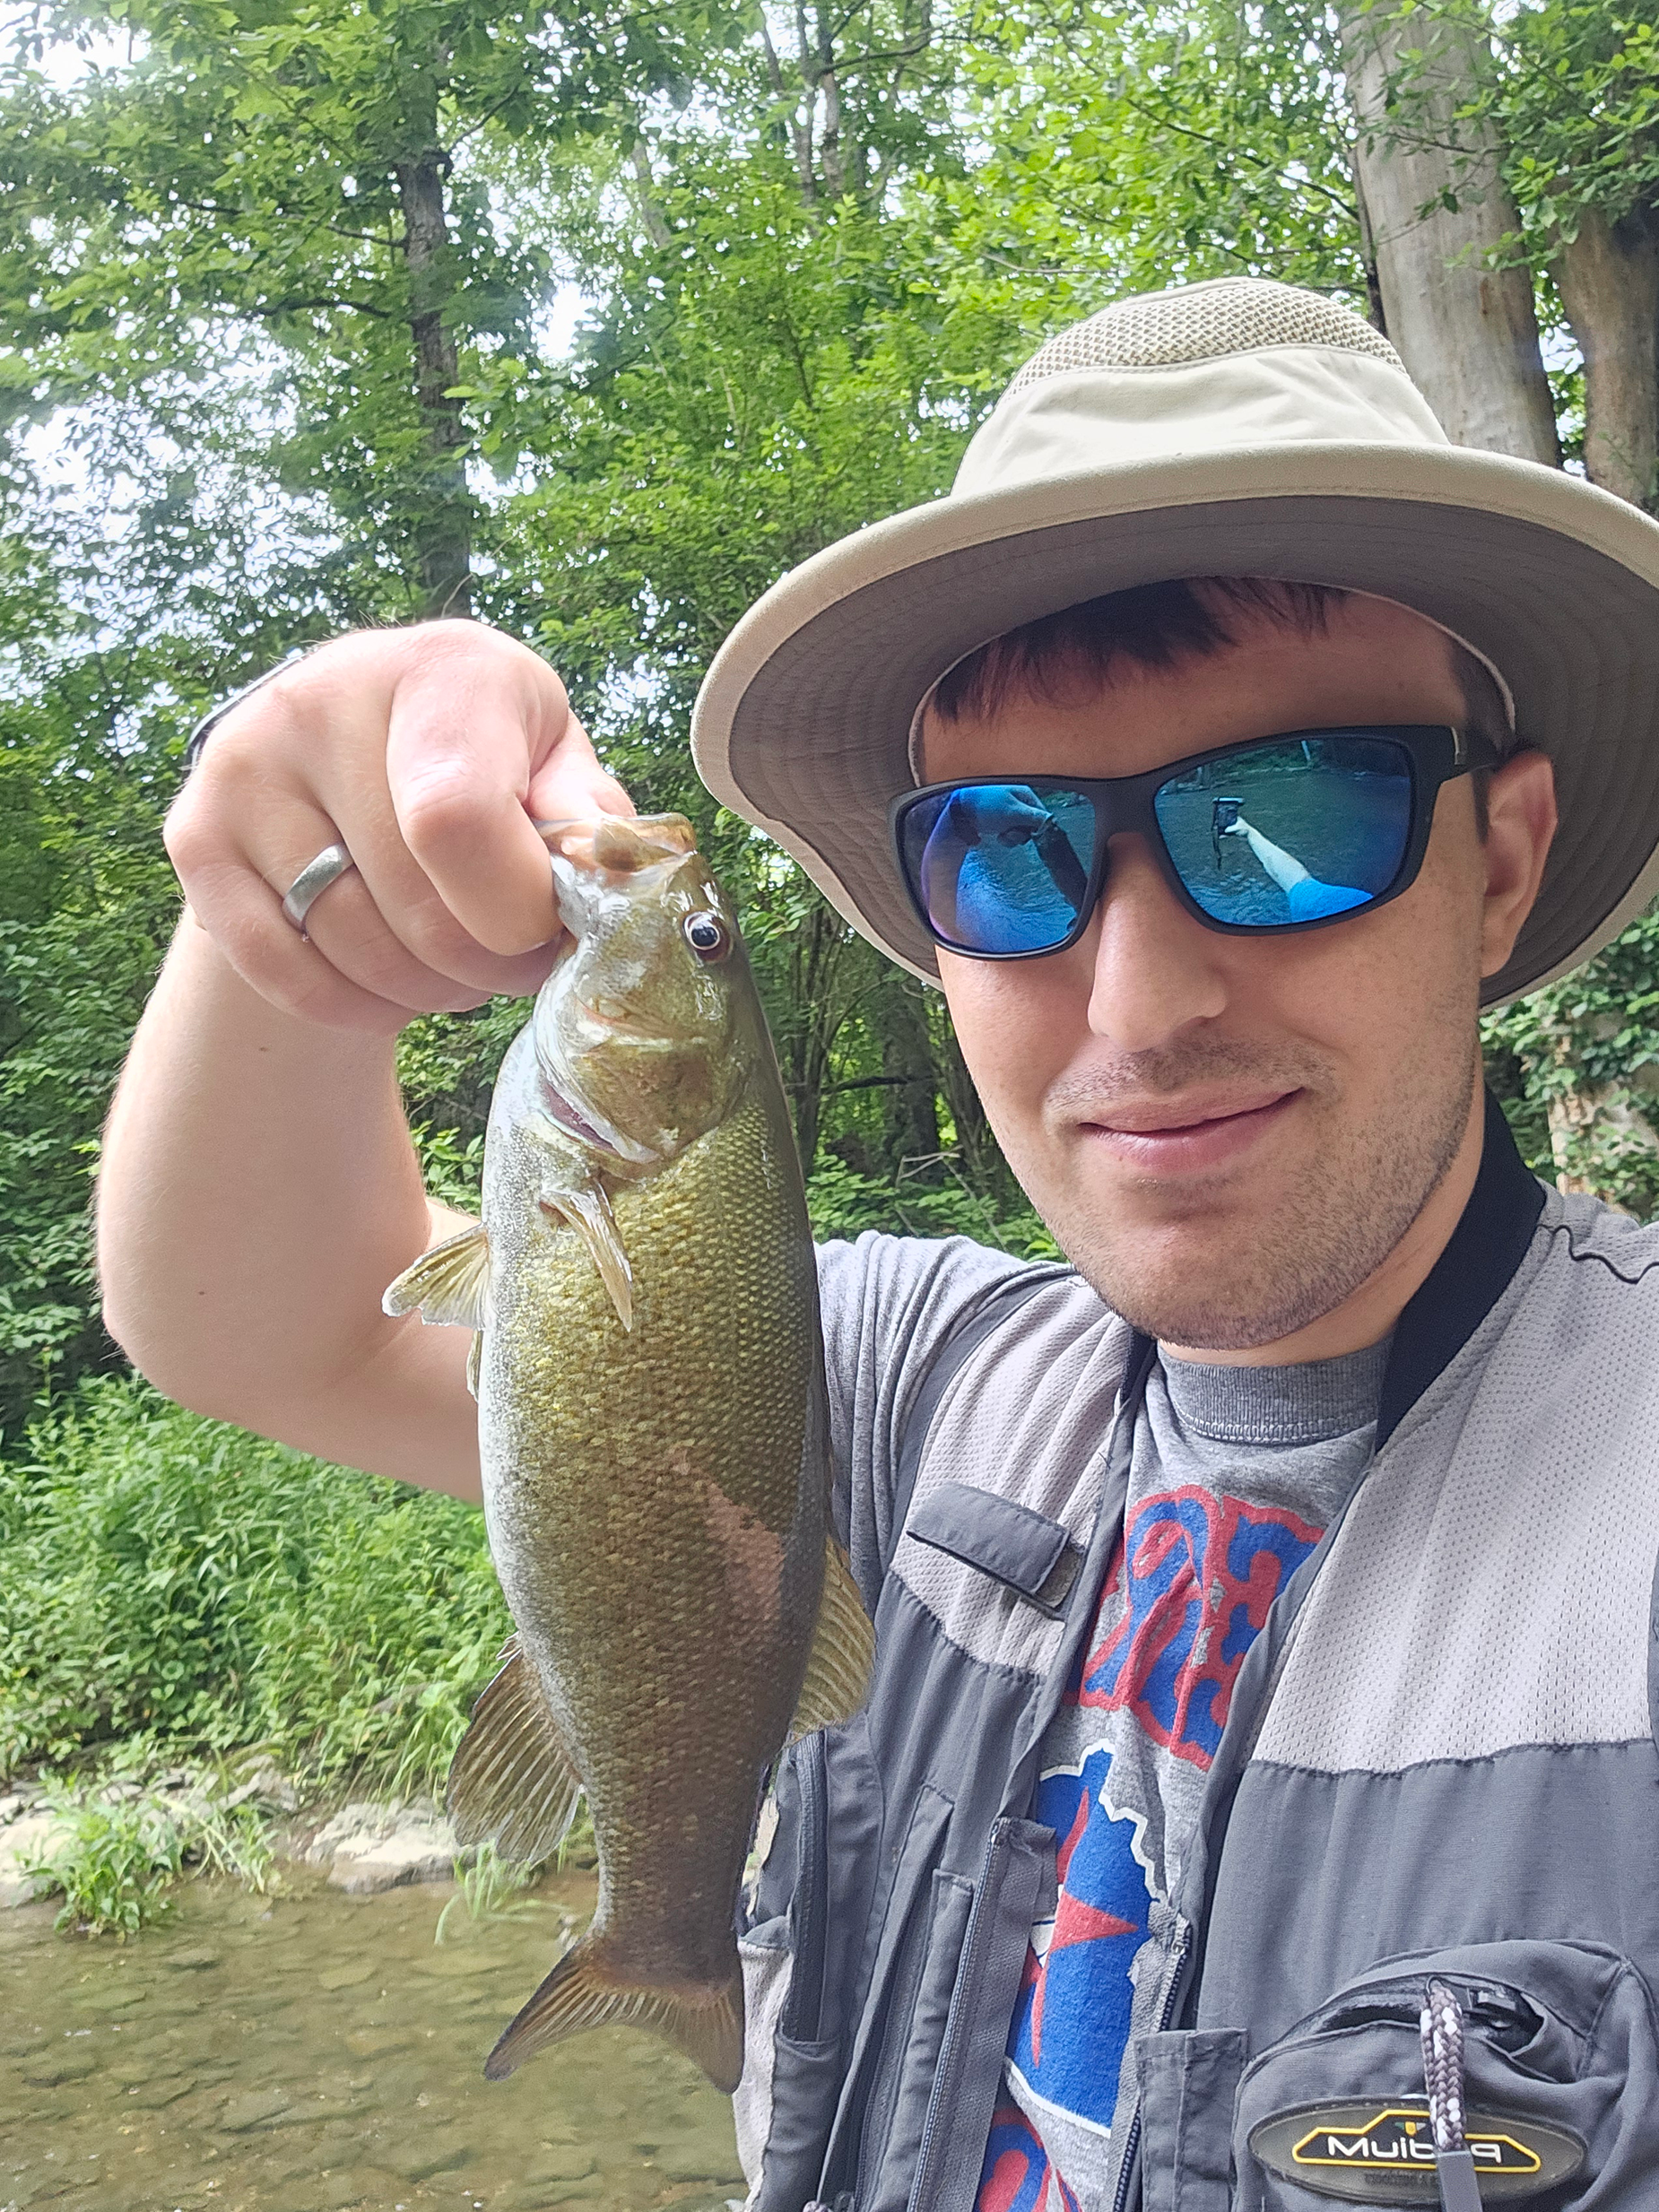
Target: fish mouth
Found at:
x=572, y=1121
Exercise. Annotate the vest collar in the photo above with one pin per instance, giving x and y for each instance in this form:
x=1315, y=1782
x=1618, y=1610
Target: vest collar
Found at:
x=1470, y=1276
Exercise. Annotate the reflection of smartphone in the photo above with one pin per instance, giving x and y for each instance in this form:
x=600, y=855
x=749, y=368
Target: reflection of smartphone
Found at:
x=1223, y=814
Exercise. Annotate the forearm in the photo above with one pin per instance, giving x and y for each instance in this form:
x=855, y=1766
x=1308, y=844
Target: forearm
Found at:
x=259, y=1191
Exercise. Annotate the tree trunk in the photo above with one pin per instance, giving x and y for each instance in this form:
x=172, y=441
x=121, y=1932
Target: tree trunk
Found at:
x=819, y=952
x=1436, y=209
x=1607, y=277
x=444, y=534
x=910, y=1111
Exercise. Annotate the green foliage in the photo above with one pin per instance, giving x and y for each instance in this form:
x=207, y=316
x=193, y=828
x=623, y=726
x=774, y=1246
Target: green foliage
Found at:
x=86, y=900
x=488, y=1887
x=118, y=1850
x=114, y=1866
x=171, y=1579
x=1590, y=1040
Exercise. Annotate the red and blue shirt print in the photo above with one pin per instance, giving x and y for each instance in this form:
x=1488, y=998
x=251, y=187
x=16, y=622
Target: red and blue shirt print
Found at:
x=1122, y=1772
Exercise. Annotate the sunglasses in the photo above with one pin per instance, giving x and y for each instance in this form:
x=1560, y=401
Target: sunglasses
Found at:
x=1283, y=833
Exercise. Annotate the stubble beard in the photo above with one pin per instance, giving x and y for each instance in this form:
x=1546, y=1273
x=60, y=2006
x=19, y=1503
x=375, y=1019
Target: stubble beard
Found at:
x=1259, y=1277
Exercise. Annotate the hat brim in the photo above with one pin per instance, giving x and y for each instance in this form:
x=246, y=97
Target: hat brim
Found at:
x=803, y=721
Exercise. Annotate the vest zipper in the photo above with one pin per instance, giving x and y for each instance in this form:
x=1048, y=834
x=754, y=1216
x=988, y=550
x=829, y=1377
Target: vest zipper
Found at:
x=1132, y=2147
x=981, y=1928
x=803, y=2007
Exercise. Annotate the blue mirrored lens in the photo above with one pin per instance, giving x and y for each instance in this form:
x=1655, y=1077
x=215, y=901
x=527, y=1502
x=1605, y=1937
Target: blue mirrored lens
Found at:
x=1292, y=832
x=1000, y=867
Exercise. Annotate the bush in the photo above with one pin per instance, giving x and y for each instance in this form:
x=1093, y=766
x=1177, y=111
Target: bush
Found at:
x=177, y=1580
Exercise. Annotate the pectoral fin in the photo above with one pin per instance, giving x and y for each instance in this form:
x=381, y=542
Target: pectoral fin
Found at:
x=588, y=1209
x=449, y=1283
x=512, y=1780
x=838, y=1667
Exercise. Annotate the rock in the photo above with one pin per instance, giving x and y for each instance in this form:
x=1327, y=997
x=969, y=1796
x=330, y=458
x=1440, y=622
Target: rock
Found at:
x=349, y=1823
x=256, y=2108
x=15, y=1802
x=53, y=2068
x=561, y=2162
x=419, y=2162
x=29, y=1835
x=706, y=2160
x=265, y=1784
x=369, y=1848
x=423, y=1856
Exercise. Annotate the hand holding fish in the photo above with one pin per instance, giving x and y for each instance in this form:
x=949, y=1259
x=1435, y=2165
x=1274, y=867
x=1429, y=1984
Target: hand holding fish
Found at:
x=427, y=753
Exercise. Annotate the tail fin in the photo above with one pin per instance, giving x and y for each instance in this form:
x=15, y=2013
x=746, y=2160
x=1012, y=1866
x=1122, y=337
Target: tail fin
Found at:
x=706, y=2024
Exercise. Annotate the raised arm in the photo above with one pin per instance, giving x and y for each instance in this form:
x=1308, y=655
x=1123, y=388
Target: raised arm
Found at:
x=258, y=1188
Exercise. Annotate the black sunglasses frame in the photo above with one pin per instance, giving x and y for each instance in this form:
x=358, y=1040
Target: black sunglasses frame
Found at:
x=1438, y=754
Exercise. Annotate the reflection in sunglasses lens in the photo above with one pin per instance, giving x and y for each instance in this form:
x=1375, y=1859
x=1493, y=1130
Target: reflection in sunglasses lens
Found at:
x=1000, y=867
x=1297, y=830
x=1293, y=832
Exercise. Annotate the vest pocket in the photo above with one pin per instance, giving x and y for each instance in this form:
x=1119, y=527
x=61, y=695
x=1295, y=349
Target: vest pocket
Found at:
x=915, y=2030
x=1560, y=2087
x=1188, y=2081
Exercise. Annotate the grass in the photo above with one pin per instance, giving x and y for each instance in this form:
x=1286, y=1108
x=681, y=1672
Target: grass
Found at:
x=119, y=1850
x=488, y=1887
x=178, y=1589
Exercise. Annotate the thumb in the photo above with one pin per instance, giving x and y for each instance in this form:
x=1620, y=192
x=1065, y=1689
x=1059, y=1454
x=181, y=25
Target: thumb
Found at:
x=570, y=785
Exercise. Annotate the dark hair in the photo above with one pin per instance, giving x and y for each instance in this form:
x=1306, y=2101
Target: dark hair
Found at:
x=1155, y=626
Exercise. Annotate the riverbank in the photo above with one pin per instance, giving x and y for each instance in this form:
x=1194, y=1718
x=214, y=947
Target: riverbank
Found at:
x=111, y=1854
x=211, y=1647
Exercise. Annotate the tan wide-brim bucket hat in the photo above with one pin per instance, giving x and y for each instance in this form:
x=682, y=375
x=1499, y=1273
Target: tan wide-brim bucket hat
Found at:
x=1239, y=427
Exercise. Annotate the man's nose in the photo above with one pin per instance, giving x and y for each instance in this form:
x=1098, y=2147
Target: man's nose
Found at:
x=1156, y=970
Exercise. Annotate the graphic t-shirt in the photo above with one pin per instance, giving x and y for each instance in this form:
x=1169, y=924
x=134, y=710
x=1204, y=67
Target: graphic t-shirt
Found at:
x=1235, y=1474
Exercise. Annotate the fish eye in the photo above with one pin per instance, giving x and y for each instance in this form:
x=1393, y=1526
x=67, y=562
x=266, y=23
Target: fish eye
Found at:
x=706, y=935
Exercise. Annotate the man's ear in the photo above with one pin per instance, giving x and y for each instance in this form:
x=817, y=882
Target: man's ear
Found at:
x=1520, y=815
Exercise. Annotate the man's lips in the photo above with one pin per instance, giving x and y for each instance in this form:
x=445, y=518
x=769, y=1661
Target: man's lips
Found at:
x=1172, y=1136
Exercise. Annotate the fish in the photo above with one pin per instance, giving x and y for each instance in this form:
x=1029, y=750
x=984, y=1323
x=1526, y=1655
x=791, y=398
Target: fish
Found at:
x=652, y=1425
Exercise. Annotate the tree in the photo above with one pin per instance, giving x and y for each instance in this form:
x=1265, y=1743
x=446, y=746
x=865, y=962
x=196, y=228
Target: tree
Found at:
x=1437, y=218
x=297, y=185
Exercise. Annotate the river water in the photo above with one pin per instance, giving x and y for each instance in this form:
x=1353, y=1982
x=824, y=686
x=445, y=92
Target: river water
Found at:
x=311, y=2051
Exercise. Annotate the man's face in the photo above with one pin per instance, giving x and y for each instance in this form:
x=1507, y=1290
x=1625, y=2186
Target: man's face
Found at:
x=1228, y=1135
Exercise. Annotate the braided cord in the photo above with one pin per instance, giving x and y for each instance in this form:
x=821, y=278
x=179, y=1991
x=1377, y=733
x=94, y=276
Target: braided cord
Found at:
x=1441, y=2024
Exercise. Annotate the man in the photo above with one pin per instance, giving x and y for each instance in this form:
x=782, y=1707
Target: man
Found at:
x=1254, y=1800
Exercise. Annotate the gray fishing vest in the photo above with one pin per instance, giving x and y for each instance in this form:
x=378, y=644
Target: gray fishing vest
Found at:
x=1439, y=1764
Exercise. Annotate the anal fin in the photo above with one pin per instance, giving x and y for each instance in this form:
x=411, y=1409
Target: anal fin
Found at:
x=837, y=1667
x=580, y=1992
x=449, y=1284
x=512, y=1780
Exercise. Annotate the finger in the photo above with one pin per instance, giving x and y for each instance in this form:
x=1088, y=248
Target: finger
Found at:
x=236, y=910
x=272, y=789
x=466, y=737
x=570, y=785
x=346, y=925
x=236, y=895
x=391, y=930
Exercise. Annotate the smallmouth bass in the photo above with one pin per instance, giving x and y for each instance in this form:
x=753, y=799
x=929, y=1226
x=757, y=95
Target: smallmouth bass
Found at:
x=652, y=1428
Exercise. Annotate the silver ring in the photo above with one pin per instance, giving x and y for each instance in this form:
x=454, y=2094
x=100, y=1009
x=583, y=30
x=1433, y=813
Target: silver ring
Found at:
x=312, y=881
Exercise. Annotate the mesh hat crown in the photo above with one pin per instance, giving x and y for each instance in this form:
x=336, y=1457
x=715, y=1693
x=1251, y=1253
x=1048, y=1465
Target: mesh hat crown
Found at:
x=1236, y=427
x=1233, y=314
